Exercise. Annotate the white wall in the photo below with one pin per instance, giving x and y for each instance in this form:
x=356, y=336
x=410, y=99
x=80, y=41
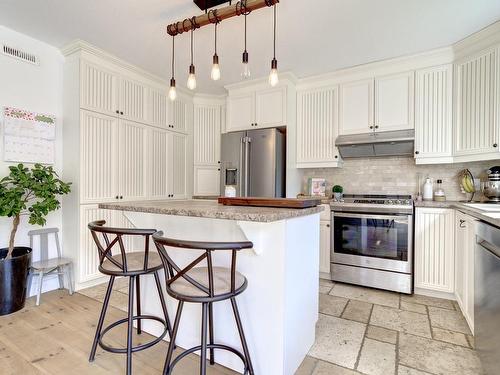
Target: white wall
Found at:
x=38, y=89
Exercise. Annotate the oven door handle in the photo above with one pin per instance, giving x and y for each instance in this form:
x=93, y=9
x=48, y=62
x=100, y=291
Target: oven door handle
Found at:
x=400, y=219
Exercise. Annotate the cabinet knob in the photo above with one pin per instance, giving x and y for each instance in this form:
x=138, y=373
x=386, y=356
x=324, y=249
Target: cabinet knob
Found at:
x=121, y=196
x=495, y=145
x=121, y=113
x=117, y=112
x=328, y=225
x=117, y=197
x=417, y=152
x=376, y=126
x=218, y=162
x=462, y=222
x=371, y=127
x=336, y=156
x=218, y=169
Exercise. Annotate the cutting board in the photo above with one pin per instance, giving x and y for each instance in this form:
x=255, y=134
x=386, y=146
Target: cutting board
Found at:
x=270, y=202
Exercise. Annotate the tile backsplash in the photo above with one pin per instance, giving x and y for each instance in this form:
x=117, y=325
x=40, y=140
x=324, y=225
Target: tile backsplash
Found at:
x=395, y=175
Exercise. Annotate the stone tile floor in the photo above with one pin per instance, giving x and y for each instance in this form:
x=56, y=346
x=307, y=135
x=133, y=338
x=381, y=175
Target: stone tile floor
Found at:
x=374, y=332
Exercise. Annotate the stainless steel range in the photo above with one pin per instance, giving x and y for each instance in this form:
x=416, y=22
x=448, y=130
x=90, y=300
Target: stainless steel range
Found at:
x=372, y=241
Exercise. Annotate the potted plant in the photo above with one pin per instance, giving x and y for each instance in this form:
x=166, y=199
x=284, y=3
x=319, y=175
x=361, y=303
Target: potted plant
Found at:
x=337, y=192
x=31, y=192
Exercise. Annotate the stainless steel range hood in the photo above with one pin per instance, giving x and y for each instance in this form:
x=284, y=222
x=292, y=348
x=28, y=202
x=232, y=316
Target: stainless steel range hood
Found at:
x=392, y=143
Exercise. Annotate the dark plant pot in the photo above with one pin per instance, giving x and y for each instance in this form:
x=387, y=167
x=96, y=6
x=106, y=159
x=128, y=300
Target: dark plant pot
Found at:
x=13, y=279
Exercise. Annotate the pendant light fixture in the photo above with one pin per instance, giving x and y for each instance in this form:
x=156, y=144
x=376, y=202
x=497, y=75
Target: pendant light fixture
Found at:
x=215, y=74
x=273, y=76
x=245, y=73
x=191, y=82
x=172, y=93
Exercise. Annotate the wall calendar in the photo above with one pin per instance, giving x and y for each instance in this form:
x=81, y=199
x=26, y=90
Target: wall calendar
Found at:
x=29, y=137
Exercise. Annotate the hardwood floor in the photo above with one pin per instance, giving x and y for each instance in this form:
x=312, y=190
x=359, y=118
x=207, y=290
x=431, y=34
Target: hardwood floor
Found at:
x=55, y=338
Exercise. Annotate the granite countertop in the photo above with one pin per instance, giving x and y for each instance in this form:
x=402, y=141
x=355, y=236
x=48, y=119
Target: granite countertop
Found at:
x=211, y=209
x=463, y=207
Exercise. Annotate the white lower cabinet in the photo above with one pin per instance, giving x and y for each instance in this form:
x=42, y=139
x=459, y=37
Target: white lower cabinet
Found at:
x=324, y=244
x=206, y=180
x=465, y=241
x=434, y=249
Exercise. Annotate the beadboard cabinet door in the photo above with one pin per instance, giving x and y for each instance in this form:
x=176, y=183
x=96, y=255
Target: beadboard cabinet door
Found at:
x=177, y=165
x=465, y=243
x=99, y=88
x=317, y=128
x=158, y=103
x=477, y=100
x=99, y=157
x=133, y=100
x=433, y=115
x=270, y=107
x=132, y=160
x=178, y=114
x=207, y=134
x=158, y=176
x=434, y=249
x=394, y=102
x=356, y=107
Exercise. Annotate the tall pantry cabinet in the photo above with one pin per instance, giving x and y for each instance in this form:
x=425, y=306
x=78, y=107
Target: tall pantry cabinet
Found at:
x=123, y=141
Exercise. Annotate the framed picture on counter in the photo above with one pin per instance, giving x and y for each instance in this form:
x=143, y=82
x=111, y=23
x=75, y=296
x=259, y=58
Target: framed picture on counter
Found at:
x=316, y=187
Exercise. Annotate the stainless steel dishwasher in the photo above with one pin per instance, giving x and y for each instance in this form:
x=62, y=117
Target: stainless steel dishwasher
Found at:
x=487, y=297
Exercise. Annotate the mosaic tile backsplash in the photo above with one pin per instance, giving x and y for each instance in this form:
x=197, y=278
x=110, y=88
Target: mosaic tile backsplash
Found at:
x=395, y=175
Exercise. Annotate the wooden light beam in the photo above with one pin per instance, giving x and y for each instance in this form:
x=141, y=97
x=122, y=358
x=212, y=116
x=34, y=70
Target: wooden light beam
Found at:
x=217, y=15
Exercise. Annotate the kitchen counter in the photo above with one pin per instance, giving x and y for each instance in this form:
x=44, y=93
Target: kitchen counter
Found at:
x=279, y=310
x=211, y=209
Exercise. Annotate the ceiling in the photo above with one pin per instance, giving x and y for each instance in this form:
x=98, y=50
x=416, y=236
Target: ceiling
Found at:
x=314, y=37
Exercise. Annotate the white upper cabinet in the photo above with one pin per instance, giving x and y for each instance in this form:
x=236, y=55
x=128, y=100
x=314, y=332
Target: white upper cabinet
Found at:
x=477, y=101
x=394, y=102
x=434, y=249
x=433, y=115
x=317, y=128
x=158, y=178
x=158, y=103
x=133, y=103
x=177, y=165
x=270, y=107
x=99, y=171
x=257, y=108
x=377, y=104
x=240, y=111
x=132, y=160
x=207, y=134
x=99, y=89
x=356, y=107
x=179, y=114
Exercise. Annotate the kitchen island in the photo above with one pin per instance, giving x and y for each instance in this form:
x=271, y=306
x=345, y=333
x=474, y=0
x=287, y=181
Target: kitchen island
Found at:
x=279, y=309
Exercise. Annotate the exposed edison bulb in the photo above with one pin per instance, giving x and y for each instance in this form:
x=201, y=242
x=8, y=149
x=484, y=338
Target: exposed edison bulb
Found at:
x=273, y=76
x=172, y=92
x=245, y=73
x=215, y=74
x=191, y=82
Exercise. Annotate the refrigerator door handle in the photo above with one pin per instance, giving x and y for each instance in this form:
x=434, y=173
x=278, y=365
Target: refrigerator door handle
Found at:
x=241, y=172
x=247, y=141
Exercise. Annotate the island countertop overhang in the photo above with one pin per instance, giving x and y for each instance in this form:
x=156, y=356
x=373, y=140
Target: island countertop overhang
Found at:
x=212, y=209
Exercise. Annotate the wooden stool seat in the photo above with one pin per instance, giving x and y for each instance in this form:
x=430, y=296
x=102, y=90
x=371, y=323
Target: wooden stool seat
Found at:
x=184, y=290
x=135, y=264
x=48, y=264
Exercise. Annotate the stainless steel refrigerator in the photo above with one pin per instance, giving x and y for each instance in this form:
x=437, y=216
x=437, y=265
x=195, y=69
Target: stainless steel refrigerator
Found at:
x=254, y=161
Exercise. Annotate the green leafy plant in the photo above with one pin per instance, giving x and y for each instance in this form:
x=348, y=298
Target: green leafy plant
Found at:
x=338, y=189
x=32, y=192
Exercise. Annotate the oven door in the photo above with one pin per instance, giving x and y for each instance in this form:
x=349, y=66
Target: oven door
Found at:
x=376, y=241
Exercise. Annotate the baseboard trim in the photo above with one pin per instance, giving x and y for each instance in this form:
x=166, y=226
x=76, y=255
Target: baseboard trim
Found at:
x=435, y=293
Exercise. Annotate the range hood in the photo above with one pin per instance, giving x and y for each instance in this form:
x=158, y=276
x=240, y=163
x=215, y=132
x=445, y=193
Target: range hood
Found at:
x=391, y=143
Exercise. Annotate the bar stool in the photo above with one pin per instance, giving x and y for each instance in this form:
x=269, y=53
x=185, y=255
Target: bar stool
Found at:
x=131, y=265
x=204, y=285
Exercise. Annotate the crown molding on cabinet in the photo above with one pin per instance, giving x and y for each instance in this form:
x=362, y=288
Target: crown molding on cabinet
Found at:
x=479, y=41
x=207, y=99
x=285, y=78
x=79, y=46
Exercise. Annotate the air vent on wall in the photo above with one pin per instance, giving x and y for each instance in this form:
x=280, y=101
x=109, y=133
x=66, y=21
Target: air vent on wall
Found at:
x=20, y=55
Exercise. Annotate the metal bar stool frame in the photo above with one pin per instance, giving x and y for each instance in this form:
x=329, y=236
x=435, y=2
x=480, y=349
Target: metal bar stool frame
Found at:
x=173, y=273
x=122, y=269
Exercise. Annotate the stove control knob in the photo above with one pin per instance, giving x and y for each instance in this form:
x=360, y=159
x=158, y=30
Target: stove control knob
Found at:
x=389, y=201
x=397, y=201
x=408, y=202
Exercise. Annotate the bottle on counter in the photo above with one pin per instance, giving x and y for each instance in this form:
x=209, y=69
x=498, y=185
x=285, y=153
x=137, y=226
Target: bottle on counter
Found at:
x=439, y=195
x=428, y=190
